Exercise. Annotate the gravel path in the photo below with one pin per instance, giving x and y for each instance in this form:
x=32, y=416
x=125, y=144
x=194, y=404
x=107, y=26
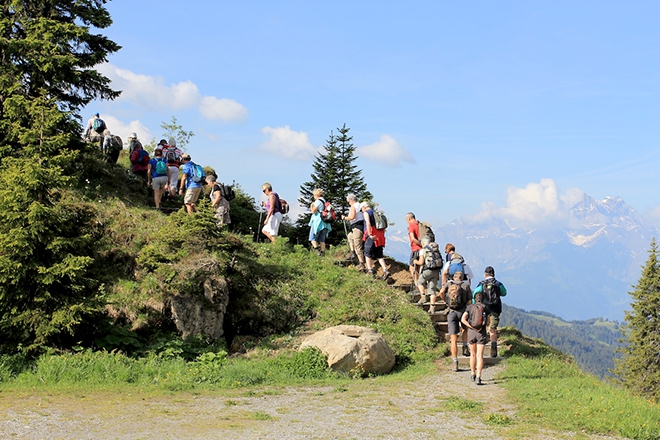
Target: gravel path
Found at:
x=366, y=409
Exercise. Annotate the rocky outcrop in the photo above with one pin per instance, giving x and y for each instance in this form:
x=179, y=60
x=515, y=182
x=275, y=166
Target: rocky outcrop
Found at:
x=202, y=316
x=351, y=348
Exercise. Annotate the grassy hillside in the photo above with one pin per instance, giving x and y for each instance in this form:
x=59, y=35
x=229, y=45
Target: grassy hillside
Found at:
x=591, y=343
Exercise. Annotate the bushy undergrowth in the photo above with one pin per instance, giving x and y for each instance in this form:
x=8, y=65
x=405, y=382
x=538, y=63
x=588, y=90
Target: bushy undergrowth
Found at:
x=552, y=391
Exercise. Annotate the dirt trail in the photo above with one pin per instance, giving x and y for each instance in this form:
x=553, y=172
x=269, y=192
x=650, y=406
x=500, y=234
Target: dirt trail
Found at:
x=364, y=409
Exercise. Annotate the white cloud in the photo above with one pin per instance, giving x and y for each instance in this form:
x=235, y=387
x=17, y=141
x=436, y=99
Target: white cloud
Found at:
x=223, y=109
x=387, y=152
x=288, y=143
x=122, y=129
x=535, y=205
x=151, y=92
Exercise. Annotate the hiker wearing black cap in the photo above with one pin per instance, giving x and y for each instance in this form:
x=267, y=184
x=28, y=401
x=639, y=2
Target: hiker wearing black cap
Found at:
x=492, y=291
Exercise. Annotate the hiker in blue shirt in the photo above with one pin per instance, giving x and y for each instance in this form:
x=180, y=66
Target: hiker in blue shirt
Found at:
x=192, y=188
x=318, y=229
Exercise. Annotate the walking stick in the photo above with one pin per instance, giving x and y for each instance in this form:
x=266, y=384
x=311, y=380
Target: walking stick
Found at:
x=261, y=211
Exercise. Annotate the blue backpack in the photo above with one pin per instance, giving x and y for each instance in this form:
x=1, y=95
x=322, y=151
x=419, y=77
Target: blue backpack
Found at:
x=456, y=264
x=198, y=173
x=161, y=167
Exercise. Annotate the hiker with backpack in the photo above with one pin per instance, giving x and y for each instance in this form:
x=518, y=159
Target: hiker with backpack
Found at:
x=492, y=290
x=456, y=294
x=112, y=145
x=192, y=179
x=474, y=318
x=158, y=175
x=140, y=162
x=133, y=143
x=319, y=223
x=94, y=131
x=415, y=245
x=273, y=212
x=430, y=263
x=455, y=262
x=173, y=156
x=374, y=242
x=356, y=220
x=218, y=202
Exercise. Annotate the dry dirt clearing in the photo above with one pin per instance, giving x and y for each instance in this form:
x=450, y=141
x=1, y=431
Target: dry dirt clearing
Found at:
x=364, y=409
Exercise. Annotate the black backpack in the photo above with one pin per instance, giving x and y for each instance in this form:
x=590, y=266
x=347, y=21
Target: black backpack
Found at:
x=227, y=192
x=490, y=290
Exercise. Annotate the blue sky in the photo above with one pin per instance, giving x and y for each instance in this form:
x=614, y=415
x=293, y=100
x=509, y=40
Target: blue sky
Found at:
x=505, y=108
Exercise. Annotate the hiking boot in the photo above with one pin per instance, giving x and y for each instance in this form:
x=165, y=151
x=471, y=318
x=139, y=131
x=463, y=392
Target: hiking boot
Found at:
x=466, y=350
x=371, y=273
x=385, y=276
x=493, y=350
x=455, y=365
x=473, y=377
x=422, y=299
x=362, y=268
x=431, y=309
x=479, y=381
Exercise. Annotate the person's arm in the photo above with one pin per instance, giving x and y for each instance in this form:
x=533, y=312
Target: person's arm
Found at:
x=351, y=213
x=182, y=183
x=502, y=290
x=314, y=206
x=420, y=259
x=413, y=238
x=149, y=174
x=464, y=320
x=217, y=196
x=167, y=185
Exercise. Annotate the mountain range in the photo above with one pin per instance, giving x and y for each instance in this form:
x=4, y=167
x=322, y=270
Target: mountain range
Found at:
x=582, y=267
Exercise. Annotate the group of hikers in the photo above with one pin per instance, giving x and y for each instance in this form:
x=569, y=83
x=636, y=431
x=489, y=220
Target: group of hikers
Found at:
x=473, y=315
x=168, y=172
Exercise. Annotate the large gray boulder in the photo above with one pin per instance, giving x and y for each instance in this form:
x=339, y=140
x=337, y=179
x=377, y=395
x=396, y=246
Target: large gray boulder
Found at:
x=195, y=315
x=351, y=348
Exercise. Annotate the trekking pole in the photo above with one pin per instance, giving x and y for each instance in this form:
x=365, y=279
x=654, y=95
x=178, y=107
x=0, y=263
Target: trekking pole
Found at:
x=261, y=211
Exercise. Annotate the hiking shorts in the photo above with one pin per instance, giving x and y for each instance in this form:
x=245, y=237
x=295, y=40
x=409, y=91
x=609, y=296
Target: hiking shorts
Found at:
x=371, y=250
x=158, y=182
x=318, y=237
x=174, y=176
x=477, y=337
x=493, y=321
x=273, y=225
x=192, y=194
x=414, y=255
x=454, y=323
x=429, y=279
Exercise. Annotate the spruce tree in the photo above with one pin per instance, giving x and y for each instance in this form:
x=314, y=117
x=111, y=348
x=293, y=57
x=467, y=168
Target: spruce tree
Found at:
x=639, y=366
x=47, y=236
x=337, y=175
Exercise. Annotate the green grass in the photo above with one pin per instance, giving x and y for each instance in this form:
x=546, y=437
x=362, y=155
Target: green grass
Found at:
x=552, y=391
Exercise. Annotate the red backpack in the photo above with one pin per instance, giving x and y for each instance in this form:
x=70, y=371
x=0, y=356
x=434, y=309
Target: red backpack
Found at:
x=328, y=214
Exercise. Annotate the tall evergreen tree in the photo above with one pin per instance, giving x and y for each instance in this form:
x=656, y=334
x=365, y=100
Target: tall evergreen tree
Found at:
x=47, y=237
x=337, y=175
x=639, y=366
